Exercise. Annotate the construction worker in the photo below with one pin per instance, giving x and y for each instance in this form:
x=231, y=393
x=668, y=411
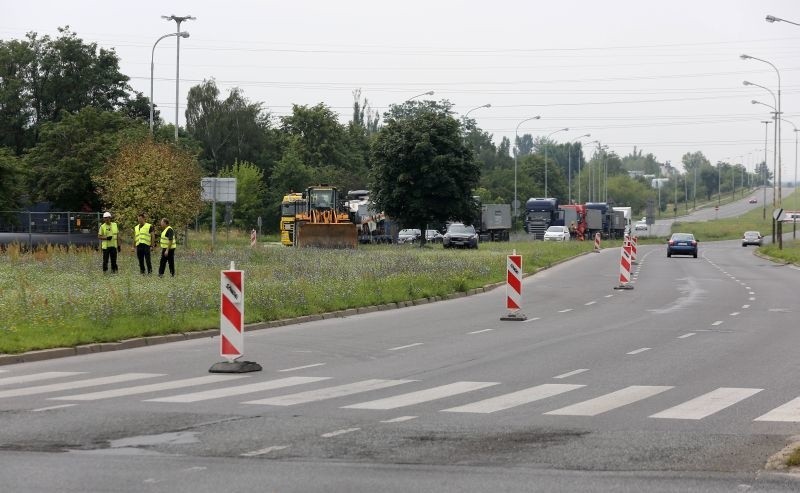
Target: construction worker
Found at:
x=167, y=244
x=143, y=239
x=109, y=242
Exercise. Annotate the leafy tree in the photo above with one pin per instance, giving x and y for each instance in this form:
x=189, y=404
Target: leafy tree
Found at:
x=161, y=180
x=250, y=190
x=694, y=160
x=290, y=174
x=12, y=179
x=423, y=173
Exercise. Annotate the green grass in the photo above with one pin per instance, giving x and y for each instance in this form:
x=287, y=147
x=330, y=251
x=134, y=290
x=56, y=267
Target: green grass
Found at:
x=58, y=299
x=790, y=252
x=794, y=458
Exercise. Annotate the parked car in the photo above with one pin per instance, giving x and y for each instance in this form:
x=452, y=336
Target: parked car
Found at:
x=753, y=200
x=640, y=226
x=751, y=238
x=433, y=236
x=682, y=244
x=460, y=235
x=556, y=233
x=408, y=235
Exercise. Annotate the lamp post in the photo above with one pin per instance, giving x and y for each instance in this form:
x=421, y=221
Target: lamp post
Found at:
x=579, y=170
x=764, y=169
x=569, y=166
x=429, y=93
x=487, y=105
x=772, y=18
x=516, y=144
x=775, y=151
x=152, y=54
x=545, y=156
x=178, y=20
x=777, y=119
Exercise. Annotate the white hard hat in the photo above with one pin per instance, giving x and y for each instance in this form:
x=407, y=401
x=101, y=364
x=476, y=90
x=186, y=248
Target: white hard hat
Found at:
x=106, y=214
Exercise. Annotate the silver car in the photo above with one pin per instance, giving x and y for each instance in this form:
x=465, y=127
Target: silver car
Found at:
x=751, y=238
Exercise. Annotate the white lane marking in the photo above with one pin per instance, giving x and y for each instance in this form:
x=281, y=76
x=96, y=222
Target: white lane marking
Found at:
x=339, y=432
x=329, y=393
x=609, y=296
x=565, y=310
x=734, y=314
x=718, y=322
x=707, y=404
x=143, y=389
x=531, y=319
x=481, y=331
x=745, y=306
x=513, y=399
x=607, y=402
x=752, y=298
x=78, y=384
x=3, y=371
x=301, y=367
x=590, y=303
x=51, y=408
x=571, y=373
x=405, y=347
x=748, y=288
x=422, y=395
x=751, y=293
x=789, y=412
x=35, y=377
x=264, y=451
x=640, y=350
x=684, y=336
x=399, y=420
x=238, y=390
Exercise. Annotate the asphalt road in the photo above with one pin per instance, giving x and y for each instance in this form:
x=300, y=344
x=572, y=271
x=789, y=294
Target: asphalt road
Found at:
x=686, y=383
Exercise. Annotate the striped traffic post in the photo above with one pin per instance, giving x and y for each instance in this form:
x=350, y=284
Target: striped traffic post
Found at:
x=597, y=242
x=231, y=324
x=253, y=238
x=625, y=266
x=514, y=288
x=634, y=242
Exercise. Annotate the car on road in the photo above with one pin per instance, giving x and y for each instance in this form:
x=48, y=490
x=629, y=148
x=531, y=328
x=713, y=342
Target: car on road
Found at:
x=682, y=244
x=640, y=226
x=753, y=200
x=556, y=233
x=408, y=235
x=460, y=235
x=433, y=236
x=751, y=238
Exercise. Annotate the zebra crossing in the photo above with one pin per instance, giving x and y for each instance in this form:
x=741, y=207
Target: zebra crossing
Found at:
x=58, y=386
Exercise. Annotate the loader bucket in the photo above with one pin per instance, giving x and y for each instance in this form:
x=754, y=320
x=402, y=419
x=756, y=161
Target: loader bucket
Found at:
x=327, y=235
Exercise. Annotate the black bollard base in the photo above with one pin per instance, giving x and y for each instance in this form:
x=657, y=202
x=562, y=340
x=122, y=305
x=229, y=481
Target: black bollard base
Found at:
x=234, y=367
x=514, y=317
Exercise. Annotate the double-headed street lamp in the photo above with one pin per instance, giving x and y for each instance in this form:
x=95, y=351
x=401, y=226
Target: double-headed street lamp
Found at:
x=182, y=34
x=545, y=156
x=764, y=169
x=178, y=20
x=516, y=144
x=775, y=151
x=569, y=166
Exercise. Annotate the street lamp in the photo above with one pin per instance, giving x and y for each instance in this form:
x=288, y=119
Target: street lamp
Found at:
x=764, y=169
x=579, y=169
x=183, y=34
x=545, y=156
x=178, y=20
x=429, y=93
x=795, y=166
x=569, y=165
x=777, y=119
x=516, y=143
x=487, y=105
x=772, y=18
x=775, y=151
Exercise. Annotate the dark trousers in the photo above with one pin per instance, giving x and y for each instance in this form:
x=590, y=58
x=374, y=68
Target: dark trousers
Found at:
x=143, y=254
x=110, y=253
x=167, y=258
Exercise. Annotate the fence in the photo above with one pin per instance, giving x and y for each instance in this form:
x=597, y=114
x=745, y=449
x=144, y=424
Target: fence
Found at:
x=34, y=228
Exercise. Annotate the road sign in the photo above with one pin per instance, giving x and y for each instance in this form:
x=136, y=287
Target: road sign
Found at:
x=777, y=214
x=231, y=317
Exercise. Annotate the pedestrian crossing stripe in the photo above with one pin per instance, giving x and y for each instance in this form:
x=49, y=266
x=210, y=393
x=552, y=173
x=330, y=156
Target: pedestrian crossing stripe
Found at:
x=611, y=401
x=514, y=399
x=143, y=389
x=329, y=393
x=707, y=404
x=35, y=377
x=421, y=396
x=238, y=390
x=78, y=384
x=789, y=412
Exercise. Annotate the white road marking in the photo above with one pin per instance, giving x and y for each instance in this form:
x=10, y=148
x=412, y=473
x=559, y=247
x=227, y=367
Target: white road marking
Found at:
x=707, y=404
x=571, y=373
x=684, y=336
x=751, y=293
x=418, y=397
x=640, y=350
x=238, y=390
x=405, y=347
x=481, y=331
x=143, y=389
x=329, y=393
x=52, y=408
x=513, y=399
x=745, y=306
x=734, y=314
x=565, y=310
x=531, y=319
x=339, y=432
x=718, y=322
x=609, y=296
x=264, y=451
x=35, y=377
x=399, y=420
x=301, y=367
x=607, y=402
x=789, y=412
x=78, y=384
x=752, y=298
x=590, y=303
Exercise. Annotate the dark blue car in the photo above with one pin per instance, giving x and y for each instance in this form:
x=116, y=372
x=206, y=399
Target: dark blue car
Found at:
x=682, y=244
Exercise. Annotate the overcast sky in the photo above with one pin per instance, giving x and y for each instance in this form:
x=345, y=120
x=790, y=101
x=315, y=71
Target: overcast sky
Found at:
x=664, y=77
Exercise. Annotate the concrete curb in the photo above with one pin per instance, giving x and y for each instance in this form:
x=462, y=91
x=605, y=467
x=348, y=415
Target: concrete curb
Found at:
x=46, y=354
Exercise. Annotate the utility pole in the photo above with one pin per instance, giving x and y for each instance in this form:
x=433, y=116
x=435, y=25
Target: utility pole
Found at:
x=178, y=20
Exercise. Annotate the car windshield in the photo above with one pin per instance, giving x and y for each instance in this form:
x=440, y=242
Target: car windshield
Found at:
x=555, y=229
x=682, y=237
x=752, y=233
x=460, y=228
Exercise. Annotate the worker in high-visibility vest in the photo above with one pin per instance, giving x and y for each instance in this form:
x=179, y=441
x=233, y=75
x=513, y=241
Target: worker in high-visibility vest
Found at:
x=109, y=242
x=143, y=238
x=167, y=244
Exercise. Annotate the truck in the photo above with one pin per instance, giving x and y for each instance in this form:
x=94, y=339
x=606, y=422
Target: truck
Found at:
x=575, y=214
x=373, y=226
x=540, y=214
x=495, y=223
x=609, y=221
x=291, y=205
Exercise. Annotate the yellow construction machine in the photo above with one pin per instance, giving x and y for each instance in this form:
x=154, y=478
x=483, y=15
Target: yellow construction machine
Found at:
x=322, y=222
x=292, y=204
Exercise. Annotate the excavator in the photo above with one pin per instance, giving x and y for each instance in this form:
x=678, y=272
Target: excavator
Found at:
x=322, y=223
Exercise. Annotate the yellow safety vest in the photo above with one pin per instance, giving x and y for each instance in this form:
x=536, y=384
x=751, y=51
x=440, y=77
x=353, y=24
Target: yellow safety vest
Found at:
x=141, y=234
x=111, y=230
x=165, y=240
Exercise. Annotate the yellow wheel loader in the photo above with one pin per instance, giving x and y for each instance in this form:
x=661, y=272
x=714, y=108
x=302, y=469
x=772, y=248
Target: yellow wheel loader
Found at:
x=324, y=223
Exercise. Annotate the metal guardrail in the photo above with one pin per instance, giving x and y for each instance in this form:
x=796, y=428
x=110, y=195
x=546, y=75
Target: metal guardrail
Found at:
x=33, y=228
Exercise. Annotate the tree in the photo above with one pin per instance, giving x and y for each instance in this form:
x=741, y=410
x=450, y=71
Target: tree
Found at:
x=423, y=172
x=161, y=180
x=250, y=190
x=12, y=180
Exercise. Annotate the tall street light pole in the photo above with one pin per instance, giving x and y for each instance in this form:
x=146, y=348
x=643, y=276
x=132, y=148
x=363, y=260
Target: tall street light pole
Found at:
x=569, y=166
x=183, y=34
x=516, y=154
x=178, y=20
x=487, y=105
x=580, y=166
x=775, y=150
x=429, y=93
x=545, y=155
x=764, y=168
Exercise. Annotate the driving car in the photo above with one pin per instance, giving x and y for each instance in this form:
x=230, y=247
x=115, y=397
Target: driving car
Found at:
x=751, y=238
x=556, y=233
x=433, y=236
x=682, y=244
x=640, y=226
x=753, y=200
x=460, y=235
x=408, y=235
